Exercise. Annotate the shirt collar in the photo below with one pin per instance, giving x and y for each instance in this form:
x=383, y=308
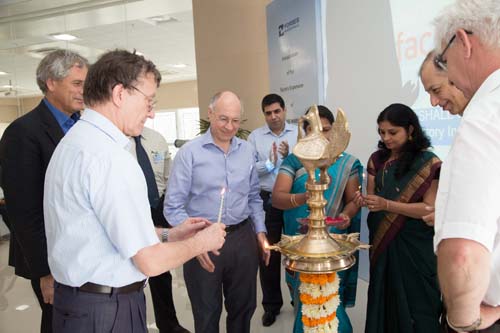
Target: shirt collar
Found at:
x=207, y=139
x=61, y=117
x=106, y=126
x=287, y=128
x=491, y=83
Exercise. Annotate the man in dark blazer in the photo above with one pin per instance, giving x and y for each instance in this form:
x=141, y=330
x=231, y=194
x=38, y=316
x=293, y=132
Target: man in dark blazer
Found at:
x=25, y=151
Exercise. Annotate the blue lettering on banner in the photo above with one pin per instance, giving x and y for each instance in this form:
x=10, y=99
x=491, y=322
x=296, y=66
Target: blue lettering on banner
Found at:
x=439, y=125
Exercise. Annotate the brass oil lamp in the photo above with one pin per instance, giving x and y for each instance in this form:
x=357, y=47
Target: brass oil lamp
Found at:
x=318, y=251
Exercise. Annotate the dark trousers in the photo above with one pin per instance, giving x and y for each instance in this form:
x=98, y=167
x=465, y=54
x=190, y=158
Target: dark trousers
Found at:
x=163, y=302
x=5, y=218
x=46, y=324
x=270, y=276
x=82, y=312
x=235, y=277
x=161, y=285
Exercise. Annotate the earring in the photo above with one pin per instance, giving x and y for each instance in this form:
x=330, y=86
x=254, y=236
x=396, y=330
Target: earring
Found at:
x=410, y=138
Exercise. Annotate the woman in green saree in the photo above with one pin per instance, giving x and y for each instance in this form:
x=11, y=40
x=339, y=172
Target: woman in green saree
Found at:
x=290, y=195
x=403, y=295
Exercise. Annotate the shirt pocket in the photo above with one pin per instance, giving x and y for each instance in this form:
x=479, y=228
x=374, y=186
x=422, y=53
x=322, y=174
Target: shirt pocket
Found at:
x=239, y=179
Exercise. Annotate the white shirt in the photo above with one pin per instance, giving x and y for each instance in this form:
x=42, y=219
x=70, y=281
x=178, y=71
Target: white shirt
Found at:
x=156, y=147
x=468, y=198
x=96, y=208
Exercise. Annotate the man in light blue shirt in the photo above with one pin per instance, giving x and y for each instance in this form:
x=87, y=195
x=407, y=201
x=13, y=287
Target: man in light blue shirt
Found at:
x=101, y=242
x=272, y=143
x=213, y=168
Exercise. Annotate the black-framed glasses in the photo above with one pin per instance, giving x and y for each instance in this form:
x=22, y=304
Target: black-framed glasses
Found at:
x=439, y=59
x=152, y=102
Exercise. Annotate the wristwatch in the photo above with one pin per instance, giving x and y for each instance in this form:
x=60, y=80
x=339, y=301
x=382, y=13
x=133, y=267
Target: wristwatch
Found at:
x=164, y=235
x=469, y=328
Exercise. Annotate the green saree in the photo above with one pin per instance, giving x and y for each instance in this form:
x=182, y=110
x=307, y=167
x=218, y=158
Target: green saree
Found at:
x=403, y=295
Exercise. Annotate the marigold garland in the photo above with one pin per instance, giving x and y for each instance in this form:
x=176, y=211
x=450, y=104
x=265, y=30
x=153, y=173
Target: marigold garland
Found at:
x=320, y=299
x=320, y=321
x=330, y=327
x=317, y=278
x=308, y=299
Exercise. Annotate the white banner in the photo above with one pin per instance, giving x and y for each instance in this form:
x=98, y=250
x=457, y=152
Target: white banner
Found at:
x=295, y=53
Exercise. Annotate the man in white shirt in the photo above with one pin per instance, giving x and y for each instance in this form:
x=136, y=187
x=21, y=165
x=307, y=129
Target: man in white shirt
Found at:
x=467, y=227
x=101, y=242
x=272, y=143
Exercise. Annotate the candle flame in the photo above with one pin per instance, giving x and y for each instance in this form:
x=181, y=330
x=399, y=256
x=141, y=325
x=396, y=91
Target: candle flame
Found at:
x=222, y=191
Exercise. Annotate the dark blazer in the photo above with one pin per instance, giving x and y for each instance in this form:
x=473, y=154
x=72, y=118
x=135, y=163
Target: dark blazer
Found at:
x=25, y=151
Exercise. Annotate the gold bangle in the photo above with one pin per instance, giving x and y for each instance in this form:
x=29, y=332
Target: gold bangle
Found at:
x=293, y=201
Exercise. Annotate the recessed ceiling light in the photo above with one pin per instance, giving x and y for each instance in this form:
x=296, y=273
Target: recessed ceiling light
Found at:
x=22, y=307
x=65, y=37
x=160, y=19
x=179, y=65
x=3, y=73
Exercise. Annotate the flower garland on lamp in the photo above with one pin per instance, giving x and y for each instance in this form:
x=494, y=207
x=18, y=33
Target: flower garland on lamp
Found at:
x=319, y=294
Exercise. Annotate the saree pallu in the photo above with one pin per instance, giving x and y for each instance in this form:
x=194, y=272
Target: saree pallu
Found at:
x=403, y=295
x=345, y=167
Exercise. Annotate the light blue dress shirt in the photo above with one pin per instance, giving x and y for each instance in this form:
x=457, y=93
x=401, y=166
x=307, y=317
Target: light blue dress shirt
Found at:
x=262, y=139
x=96, y=208
x=199, y=172
x=64, y=121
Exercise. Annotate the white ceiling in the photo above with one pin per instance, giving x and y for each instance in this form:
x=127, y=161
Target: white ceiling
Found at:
x=100, y=25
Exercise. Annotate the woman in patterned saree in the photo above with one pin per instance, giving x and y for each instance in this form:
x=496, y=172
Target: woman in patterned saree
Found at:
x=403, y=295
x=290, y=195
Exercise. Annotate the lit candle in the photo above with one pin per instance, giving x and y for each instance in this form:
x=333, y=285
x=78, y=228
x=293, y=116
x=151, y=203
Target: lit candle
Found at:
x=222, y=192
x=364, y=184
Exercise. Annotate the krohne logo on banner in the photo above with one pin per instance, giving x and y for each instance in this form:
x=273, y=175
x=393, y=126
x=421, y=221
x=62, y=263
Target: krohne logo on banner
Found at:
x=282, y=28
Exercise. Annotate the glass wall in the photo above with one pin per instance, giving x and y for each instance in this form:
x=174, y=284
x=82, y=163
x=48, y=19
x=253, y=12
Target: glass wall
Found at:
x=162, y=30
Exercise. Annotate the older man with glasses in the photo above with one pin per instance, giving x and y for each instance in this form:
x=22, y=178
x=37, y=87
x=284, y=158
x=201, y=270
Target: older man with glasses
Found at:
x=101, y=242
x=214, y=176
x=467, y=226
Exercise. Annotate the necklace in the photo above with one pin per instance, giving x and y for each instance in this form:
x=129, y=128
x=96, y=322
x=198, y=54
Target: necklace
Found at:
x=384, y=168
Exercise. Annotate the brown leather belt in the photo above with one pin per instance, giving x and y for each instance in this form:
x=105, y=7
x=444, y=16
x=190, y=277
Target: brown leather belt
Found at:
x=90, y=287
x=234, y=227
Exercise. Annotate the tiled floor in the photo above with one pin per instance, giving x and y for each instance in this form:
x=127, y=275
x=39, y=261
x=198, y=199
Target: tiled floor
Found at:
x=20, y=313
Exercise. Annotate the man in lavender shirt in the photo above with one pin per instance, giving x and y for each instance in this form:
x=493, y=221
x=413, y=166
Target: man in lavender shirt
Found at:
x=201, y=168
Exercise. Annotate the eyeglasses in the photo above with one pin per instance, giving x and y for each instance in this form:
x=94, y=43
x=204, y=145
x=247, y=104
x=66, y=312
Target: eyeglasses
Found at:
x=223, y=120
x=269, y=113
x=152, y=102
x=439, y=59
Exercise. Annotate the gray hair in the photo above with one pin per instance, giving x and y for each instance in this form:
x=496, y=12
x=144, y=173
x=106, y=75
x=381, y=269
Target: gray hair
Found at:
x=430, y=57
x=215, y=99
x=56, y=66
x=482, y=17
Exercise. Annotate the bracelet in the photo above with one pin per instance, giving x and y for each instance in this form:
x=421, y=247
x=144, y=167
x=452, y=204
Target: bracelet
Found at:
x=469, y=328
x=386, y=204
x=164, y=235
x=293, y=201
